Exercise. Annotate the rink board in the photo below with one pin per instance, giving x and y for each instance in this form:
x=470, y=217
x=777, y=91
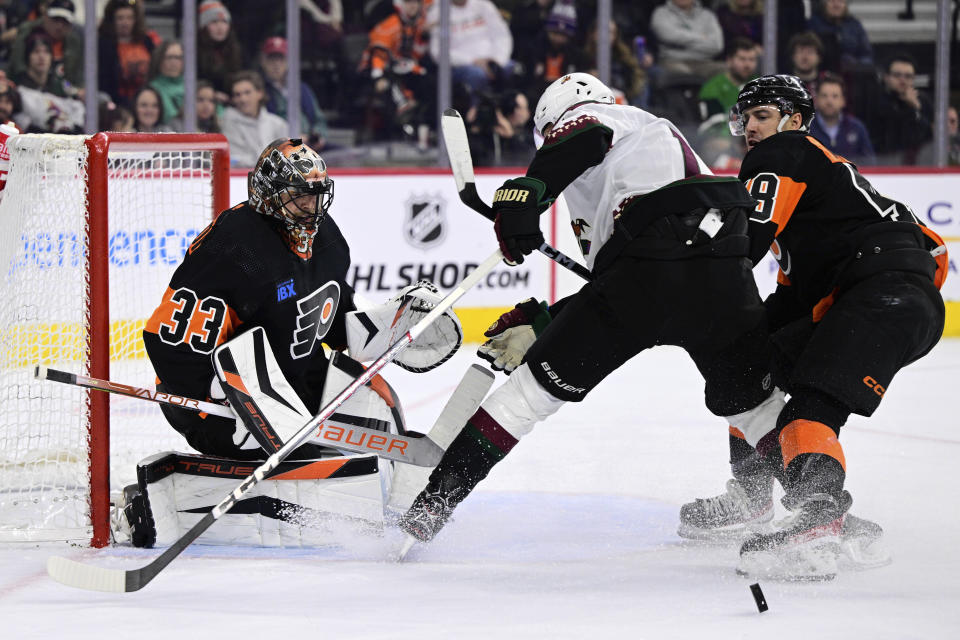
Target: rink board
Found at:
x=405, y=225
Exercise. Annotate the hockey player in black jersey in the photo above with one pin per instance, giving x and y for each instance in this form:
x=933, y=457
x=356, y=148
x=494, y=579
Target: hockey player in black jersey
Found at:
x=666, y=243
x=276, y=261
x=265, y=285
x=857, y=299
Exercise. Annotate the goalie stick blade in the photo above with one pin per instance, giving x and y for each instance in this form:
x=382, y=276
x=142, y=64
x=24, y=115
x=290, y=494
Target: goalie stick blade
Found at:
x=420, y=452
x=85, y=576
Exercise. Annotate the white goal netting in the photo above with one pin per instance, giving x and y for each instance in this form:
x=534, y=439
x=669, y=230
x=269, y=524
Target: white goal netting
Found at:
x=158, y=201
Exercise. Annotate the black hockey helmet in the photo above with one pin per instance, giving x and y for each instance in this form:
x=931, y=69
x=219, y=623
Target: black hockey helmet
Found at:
x=782, y=91
x=287, y=170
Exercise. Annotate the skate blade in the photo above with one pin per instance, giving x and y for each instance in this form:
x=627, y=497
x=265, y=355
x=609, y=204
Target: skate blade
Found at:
x=862, y=554
x=726, y=535
x=721, y=537
x=807, y=564
x=404, y=549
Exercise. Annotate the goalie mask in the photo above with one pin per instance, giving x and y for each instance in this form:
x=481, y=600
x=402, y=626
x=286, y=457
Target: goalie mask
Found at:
x=782, y=91
x=566, y=92
x=290, y=183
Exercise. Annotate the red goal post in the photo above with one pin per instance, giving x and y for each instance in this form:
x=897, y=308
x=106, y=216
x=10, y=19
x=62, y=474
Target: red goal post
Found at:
x=98, y=226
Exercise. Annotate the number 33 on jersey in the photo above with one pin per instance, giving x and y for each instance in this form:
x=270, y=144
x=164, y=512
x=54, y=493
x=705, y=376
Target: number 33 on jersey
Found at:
x=203, y=323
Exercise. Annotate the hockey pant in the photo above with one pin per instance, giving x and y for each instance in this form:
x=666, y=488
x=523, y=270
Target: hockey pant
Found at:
x=840, y=365
x=708, y=306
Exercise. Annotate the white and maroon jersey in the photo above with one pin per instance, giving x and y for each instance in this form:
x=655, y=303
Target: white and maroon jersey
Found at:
x=644, y=153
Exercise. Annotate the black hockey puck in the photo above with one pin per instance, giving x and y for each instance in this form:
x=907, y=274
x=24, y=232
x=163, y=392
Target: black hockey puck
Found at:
x=758, y=597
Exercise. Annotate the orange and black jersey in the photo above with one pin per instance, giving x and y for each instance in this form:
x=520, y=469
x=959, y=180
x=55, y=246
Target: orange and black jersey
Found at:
x=817, y=215
x=239, y=273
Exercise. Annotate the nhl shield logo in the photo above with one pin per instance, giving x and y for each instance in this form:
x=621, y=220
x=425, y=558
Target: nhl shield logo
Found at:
x=425, y=221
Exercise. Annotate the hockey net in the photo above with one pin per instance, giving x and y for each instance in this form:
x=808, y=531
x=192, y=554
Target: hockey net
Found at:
x=93, y=229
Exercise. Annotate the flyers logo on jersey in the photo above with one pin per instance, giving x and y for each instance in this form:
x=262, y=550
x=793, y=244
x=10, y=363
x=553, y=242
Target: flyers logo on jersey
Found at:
x=782, y=256
x=314, y=319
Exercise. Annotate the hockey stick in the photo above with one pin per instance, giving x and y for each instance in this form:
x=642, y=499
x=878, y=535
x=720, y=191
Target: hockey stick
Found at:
x=461, y=162
x=418, y=451
x=84, y=576
x=142, y=393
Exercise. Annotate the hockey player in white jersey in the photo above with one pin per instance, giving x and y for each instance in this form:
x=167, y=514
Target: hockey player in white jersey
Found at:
x=666, y=244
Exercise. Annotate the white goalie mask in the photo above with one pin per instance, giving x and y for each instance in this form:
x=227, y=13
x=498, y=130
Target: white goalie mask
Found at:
x=565, y=92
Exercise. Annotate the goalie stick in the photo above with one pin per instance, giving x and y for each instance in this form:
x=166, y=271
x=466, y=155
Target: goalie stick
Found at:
x=93, y=578
x=462, y=403
x=461, y=162
x=418, y=451
x=143, y=393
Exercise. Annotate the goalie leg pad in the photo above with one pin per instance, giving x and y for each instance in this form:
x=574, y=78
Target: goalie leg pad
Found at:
x=306, y=503
x=271, y=409
x=258, y=391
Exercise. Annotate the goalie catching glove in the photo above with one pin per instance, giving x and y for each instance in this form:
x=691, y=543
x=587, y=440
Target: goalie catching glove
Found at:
x=371, y=332
x=513, y=333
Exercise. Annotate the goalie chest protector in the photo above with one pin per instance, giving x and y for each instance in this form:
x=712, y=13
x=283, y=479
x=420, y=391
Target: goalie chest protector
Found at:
x=240, y=273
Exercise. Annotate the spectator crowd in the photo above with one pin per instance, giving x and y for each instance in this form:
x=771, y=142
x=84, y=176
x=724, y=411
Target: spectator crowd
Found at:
x=370, y=69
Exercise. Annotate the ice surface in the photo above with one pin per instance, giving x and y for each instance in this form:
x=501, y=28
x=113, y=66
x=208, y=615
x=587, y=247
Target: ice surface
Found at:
x=572, y=536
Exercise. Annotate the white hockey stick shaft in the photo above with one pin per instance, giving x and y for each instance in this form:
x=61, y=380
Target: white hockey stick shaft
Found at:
x=461, y=163
x=84, y=576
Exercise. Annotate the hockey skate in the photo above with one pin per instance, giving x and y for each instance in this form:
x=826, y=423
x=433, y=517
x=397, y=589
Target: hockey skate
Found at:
x=432, y=509
x=804, y=546
x=729, y=517
x=130, y=520
x=861, y=544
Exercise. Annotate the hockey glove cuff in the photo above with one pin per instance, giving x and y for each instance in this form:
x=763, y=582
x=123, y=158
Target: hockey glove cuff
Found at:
x=512, y=335
x=517, y=205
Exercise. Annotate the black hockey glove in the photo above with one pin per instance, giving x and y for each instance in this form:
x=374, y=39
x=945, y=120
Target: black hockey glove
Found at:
x=513, y=333
x=517, y=205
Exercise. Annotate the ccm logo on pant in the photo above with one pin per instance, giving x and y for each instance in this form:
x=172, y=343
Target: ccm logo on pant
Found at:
x=876, y=386
x=511, y=195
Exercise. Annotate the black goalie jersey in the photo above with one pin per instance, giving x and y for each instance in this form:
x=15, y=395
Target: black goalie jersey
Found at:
x=239, y=273
x=826, y=225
